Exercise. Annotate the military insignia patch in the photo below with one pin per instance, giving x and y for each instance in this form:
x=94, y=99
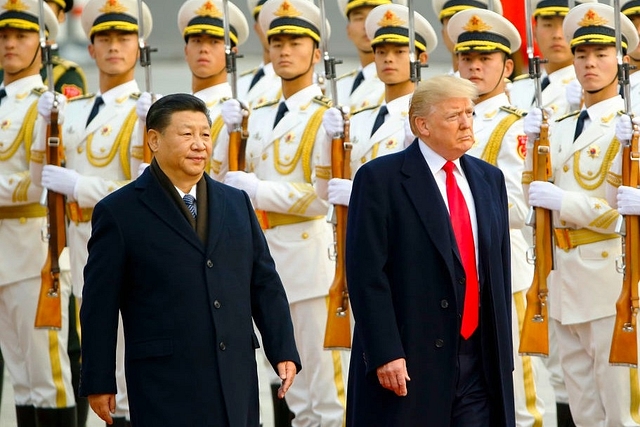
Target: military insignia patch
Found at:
x=593, y=151
x=521, y=148
x=391, y=144
x=5, y=124
x=289, y=138
x=106, y=130
x=71, y=91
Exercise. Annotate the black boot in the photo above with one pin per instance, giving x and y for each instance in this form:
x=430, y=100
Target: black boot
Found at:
x=56, y=417
x=282, y=416
x=73, y=350
x=26, y=416
x=564, y=415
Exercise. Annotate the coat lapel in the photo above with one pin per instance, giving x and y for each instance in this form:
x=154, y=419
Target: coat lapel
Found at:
x=217, y=206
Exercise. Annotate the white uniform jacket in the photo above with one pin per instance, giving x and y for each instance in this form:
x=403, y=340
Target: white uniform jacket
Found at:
x=554, y=96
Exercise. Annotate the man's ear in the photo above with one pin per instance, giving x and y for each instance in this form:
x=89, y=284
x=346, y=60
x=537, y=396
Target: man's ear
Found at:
x=153, y=137
x=421, y=126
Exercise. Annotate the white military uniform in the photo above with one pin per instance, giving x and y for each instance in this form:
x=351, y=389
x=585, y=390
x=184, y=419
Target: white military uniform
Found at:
x=584, y=286
x=500, y=140
x=214, y=96
x=37, y=359
x=369, y=94
x=554, y=96
x=284, y=160
x=634, y=83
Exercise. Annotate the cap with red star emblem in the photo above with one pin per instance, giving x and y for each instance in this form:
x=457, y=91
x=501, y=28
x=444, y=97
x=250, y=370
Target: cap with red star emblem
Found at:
x=294, y=17
x=594, y=24
x=206, y=17
x=447, y=8
x=120, y=15
x=483, y=31
x=554, y=7
x=23, y=15
x=389, y=23
x=347, y=6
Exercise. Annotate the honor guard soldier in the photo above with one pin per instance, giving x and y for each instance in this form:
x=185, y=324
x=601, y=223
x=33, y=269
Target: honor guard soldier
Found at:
x=484, y=42
x=631, y=9
x=36, y=359
x=360, y=88
x=101, y=136
x=381, y=130
x=201, y=24
x=445, y=9
x=283, y=148
x=585, y=284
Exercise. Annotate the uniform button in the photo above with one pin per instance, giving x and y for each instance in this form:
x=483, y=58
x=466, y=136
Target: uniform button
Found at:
x=209, y=263
x=222, y=346
x=461, y=281
x=264, y=156
x=439, y=343
x=444, y=303
x=217, y=304
x=305, y=235
x=605, y=254
x=565, y=168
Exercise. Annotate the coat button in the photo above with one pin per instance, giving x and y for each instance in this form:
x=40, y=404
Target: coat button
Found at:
x=439, y=343
x=209, y=263
x=217, y=304
x=461, y=281
x=222, y=346
x=444, y=303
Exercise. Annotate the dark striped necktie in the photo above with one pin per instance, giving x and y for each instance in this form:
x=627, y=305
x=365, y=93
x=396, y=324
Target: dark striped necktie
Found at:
x=190, y=201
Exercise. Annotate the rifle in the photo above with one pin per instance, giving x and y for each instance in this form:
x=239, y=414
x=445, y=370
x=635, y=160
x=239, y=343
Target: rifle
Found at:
x=238, y=136
x=145, y=62
x=624, y=342
x=338, y=329
x=49, y=310
x=534, y=339
x=415, y=66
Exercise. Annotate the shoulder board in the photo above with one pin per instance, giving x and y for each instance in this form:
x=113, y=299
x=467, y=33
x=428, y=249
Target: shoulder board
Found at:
x=571, y=114
x=621, y=113
x=368, y=107
x=64, y=63
x=349, y=74
x=39, y=90
x=513, y=110
x=265, y=104
x=135, y=95
x=224, y=98
x=247, y=72
x=322, y=100
x=85, y=96
x=521, y=77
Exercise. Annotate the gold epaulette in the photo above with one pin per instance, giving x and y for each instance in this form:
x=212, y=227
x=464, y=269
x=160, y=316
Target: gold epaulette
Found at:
x=39, y=90
x=265, y=104
x=368, y=107
x=85, y=96
x=322, y=100
x=64, y=63
x=251, y=71
x=621, y=113
x=349, y=74
x=513, y=110
x=135, y=95
x=521, y=77
x=571, y=114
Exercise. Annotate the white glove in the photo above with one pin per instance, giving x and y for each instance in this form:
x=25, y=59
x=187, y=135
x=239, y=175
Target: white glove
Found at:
x=531, y=124
x=142, y=168
x=574, y=95
x=628, y=201
x=340, y=191
x=144, y=103
x=61, y=180
x=232, y=113
x=243, y=181
x=45, y=105
x=333, y=122
x=545, y=195
x=409, y=137
x=624, y=127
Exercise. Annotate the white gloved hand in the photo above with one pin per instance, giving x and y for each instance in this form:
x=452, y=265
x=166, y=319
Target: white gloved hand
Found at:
x=628, y=201
x=545, y=195
x=45, y=105
x=333, y=122
x=243, y=181
x=574, y=95
x=143, y=166
x=232, y=113
x=340, y=191
x=409, y=137
x=61, y=180
x=531, y=124
x=144, y=103
x=624, y=128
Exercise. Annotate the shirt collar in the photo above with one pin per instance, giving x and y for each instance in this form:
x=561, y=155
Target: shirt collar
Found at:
x=399, y=105
x=604, y=108
x=302, y=97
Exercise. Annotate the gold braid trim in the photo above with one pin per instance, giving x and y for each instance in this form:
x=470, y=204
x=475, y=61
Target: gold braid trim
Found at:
x=374, y=150
x=20, y=192
x=323, y=172
x=25, y=134
x=527, y=177
x=583, y=179
x=491, y=150
x=216, y=127
x=614, y=179
x=125, y=135
x=605, y=220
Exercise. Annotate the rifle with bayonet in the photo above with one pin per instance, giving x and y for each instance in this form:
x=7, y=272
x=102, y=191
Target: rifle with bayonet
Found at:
x=145, y=63
x=415, y=66
x=534, y=339
x=49, y=310
x=238, y=135
x=624, y=342
x=338, y=329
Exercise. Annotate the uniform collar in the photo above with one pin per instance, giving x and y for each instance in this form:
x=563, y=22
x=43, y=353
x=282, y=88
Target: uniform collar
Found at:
x=491, y=105
x=214, y=93
x=302, y=97
x=23, y=85
x=604, y=108
x=113, y=94
x=399, y=105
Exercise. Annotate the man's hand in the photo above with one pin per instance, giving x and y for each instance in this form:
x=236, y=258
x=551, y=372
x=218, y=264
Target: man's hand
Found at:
x=340, y=191
x=628, y=200
x=287, y=372
x=545, y=195
x=61, y=180
x=103, y=405
x=144, y=103
x=232, y=113
x=574, y=95
x=243, y=181
x=394, y=376
x=45, y=105
x=333, y=122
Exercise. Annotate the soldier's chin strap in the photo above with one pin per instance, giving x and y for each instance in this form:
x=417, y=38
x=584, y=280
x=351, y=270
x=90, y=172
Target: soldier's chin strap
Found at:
x=500, y=80
x=304, y=72
x=592, y=92
x=30, y=63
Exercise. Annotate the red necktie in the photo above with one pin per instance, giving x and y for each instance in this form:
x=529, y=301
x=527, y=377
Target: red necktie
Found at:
x=461, y=224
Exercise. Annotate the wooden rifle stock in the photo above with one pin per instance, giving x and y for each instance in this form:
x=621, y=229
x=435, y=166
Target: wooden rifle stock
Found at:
x=237, y=145
x=49, y=311
x=338, y=330
x=534, y=339
x=624, y=343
